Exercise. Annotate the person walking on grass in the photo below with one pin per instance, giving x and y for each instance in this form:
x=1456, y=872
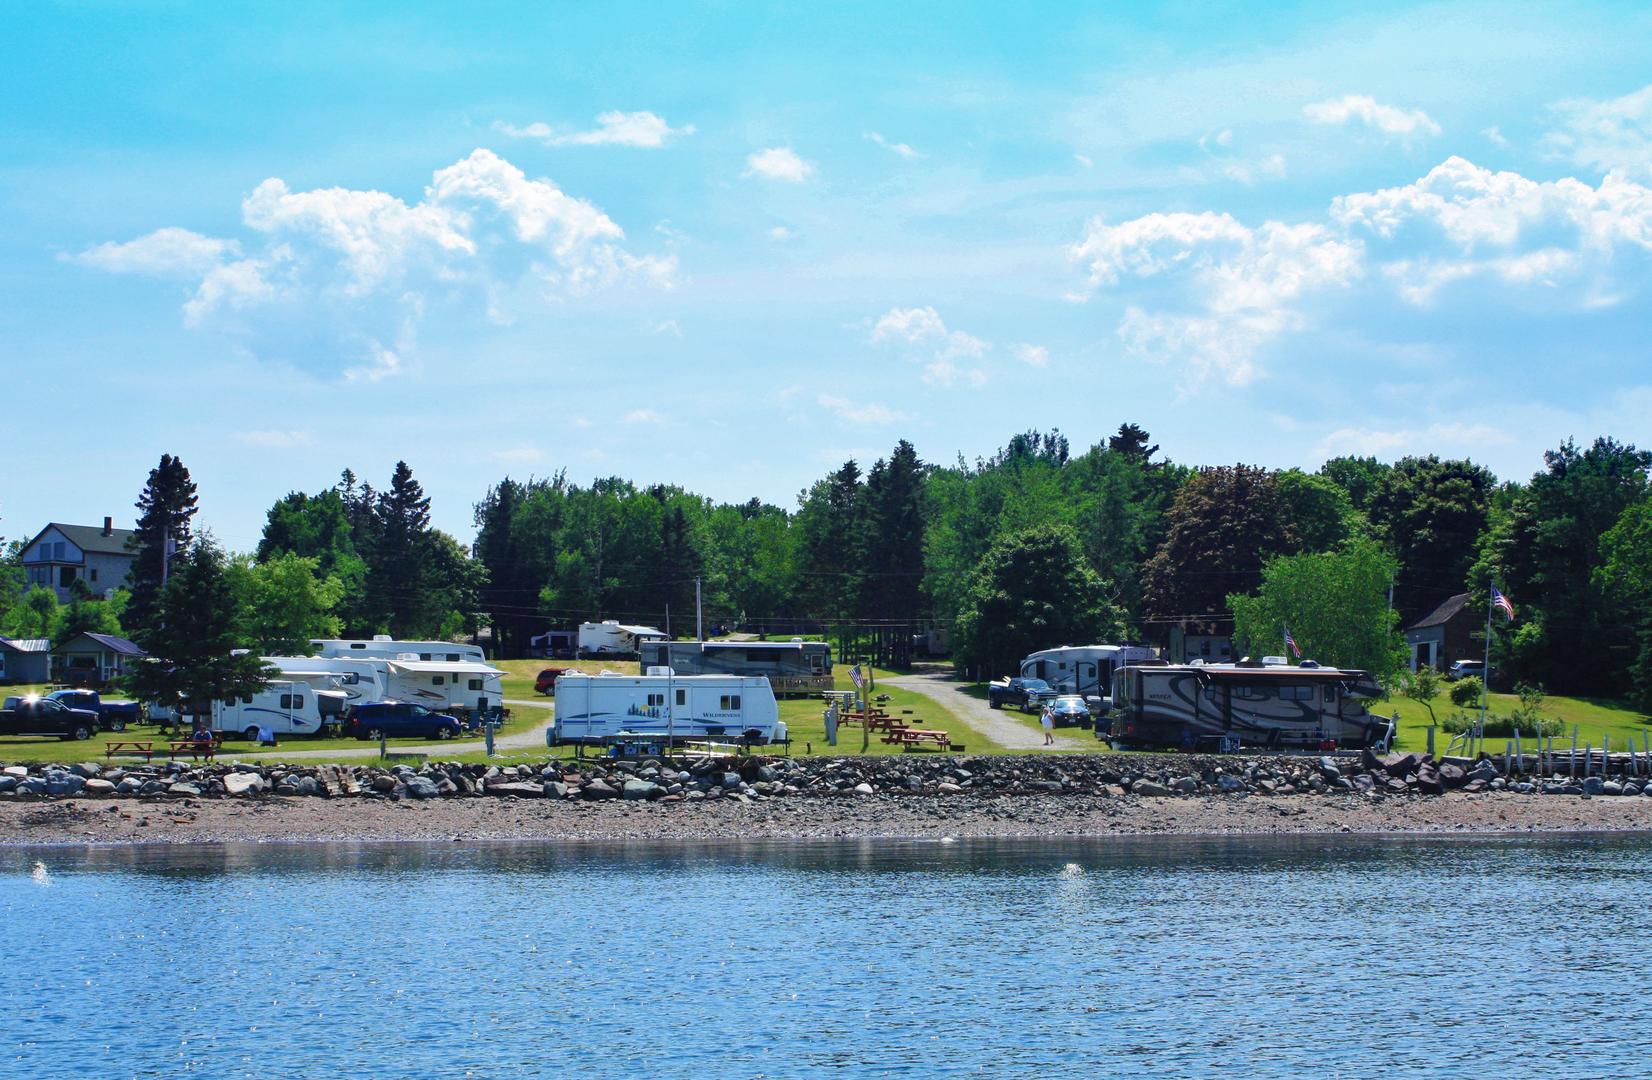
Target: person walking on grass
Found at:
x=1046, y=720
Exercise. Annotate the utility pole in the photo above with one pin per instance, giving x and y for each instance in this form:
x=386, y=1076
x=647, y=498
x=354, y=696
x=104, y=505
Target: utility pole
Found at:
x=699, y=623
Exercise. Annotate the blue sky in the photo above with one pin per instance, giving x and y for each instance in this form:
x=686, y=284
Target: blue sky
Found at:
x=729, y=247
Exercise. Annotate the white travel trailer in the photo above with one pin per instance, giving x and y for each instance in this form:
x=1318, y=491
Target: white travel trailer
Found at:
x=792, y=667
x=444, y=686
x=613, y=638
x=360, y=679
x=595, y=708
x=295, y=703
x=384, y=647
x=1082, y=669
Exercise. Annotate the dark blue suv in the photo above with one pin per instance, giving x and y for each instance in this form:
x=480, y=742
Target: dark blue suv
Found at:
x=400, y=720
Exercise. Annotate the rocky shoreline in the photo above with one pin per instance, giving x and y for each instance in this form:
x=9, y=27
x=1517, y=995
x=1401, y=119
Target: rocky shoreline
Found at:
x=906, y=796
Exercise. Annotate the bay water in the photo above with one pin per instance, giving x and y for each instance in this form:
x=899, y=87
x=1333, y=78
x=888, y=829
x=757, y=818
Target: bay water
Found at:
x=1110, y=957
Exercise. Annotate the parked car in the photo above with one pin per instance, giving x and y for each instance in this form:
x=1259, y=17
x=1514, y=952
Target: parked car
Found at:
x=1462, y=669
x=43, y=716
x=546, y=682
x=1028, y=695
x=1071, y=710
x=400, y=720
x=112, y=715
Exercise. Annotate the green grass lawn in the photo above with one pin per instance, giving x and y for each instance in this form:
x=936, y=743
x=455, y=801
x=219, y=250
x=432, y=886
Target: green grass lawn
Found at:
x=1595, y=720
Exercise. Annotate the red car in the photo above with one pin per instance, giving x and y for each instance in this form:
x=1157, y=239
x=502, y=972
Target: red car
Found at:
x=546, y=682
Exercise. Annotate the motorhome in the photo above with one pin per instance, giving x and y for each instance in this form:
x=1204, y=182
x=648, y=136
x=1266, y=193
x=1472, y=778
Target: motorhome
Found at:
x=792, y=667
x=385, y=647
x=611, y=638
x=596, y=708
x=294, y=703
x=1257, y=704
x=1086, y=670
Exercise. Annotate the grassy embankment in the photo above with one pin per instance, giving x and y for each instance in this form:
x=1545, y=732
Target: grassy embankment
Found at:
x=803, y=718
x=1596, y=719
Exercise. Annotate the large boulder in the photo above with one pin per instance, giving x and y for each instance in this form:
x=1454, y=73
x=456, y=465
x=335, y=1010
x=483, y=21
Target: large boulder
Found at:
x=97, y=786
x=421, y=787
x=87, y=769
x=597, y=789
x=243, y=783
x=636, y=790
x=1149, y=789
x=522, y=789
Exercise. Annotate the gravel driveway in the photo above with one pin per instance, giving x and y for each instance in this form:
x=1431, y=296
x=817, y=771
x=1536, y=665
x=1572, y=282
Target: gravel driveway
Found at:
x=1000, y=726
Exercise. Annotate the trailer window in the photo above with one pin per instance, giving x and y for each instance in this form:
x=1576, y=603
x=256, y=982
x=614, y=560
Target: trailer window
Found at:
x=656, y=701
x=1252, y=693
x=682, y=697
x=436, y=680
x=247, y=700
x=476, y=684
x=286, y=701
x=1296, y=693
x=729, y=702
x=453, y=656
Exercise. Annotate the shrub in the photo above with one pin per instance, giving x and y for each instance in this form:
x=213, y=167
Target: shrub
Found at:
x=1501, y=727
x=1465, y=693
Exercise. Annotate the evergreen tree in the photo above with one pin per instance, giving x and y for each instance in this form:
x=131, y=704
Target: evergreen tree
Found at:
x=399, y=569
x=1430, y=513
x=194, y=645
x=165, y=508
x=1131, y=441
x=895, y=538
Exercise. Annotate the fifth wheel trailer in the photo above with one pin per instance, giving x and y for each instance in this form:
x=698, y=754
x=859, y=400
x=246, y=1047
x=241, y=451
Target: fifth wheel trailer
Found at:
x=1086, y=670
x=792, y=667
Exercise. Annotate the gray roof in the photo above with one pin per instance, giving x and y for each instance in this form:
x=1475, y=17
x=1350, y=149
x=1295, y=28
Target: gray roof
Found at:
x=32, y=644
x=1442, y=614
x=109, y=641
x=91, y=538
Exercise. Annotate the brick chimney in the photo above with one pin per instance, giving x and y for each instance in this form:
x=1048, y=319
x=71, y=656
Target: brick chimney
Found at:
x=108, y=526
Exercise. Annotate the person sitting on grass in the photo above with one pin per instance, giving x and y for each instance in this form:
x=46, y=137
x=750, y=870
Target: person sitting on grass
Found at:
x=266, y=737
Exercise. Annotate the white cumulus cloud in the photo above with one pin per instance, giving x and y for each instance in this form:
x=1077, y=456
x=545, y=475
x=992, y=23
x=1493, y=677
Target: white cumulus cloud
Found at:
x=1033, y=355
x=1605, y=135
x=1457, y=437
x=859, y=412
x=342, y=277
x=925, y=335
x=1367, y=110
x=163, y=253
x=779, y=163
x=643, y=416
x=900, y=148
x=614, y=128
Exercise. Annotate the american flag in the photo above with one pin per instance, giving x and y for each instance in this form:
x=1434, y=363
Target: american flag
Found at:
x=1290, y=643
x=1499, y=600
x=856, y=677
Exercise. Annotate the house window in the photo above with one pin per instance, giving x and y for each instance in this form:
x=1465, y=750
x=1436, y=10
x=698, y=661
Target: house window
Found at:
x=729, y=702
x=66, y=576
x=94, y=572
x=475, y=684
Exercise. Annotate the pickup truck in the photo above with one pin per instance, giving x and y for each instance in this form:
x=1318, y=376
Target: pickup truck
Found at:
x=43, y=716
x=1028, y=695
x=112, y=715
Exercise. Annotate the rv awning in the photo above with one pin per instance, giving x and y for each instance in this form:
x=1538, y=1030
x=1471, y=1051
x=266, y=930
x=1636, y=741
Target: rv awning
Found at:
x=440, y=667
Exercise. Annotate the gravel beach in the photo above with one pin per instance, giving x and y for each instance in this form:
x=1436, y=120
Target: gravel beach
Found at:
x=296, y=819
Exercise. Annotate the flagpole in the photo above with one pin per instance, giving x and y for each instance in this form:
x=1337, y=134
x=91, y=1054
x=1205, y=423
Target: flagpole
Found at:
x=1485, y=666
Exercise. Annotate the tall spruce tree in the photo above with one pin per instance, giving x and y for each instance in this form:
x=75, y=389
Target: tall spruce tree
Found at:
x=165, y=508
x=399, y=558
x=193, y=646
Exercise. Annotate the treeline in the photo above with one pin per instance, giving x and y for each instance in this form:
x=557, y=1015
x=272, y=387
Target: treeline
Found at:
x=1033, y=546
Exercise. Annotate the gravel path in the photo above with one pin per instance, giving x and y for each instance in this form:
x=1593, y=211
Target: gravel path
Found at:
x=531, y=738
x=997, y=725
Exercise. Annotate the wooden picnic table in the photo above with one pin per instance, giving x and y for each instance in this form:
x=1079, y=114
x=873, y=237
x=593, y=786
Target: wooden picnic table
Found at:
x=118, y=746
x=196, y=750
x=910, y=738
